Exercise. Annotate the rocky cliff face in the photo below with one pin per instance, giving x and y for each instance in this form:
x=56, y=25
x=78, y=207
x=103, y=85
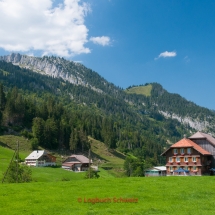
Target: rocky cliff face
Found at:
x=193, y=123
x=52, y=66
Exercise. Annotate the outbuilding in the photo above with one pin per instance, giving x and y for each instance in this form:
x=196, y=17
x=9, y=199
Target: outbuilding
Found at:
x=156, y=171
x=76, y=163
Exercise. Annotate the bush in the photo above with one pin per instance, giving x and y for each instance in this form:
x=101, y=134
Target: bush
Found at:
x=91, y=174
x=26, y=134
x=34, y=143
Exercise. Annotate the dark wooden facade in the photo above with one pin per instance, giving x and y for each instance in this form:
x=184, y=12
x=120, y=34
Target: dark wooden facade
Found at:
x=205, y=144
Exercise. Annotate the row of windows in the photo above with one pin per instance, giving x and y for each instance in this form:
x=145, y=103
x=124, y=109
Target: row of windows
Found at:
x=178, y=159
x=186, y=168
x=182, y=151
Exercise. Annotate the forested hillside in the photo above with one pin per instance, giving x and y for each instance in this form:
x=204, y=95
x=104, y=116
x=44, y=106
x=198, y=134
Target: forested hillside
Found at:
x=56, y=113
x=175, y=107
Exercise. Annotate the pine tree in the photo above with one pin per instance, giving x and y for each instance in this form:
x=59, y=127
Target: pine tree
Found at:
x=2, y=98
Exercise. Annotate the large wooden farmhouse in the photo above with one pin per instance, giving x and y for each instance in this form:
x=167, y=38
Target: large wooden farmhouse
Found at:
x=196, y=154
x=76, y=163
x=40, y=158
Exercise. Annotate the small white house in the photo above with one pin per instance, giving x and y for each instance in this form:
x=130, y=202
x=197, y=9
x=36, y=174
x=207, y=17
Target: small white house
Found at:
x=40, y=158
x=156, y=171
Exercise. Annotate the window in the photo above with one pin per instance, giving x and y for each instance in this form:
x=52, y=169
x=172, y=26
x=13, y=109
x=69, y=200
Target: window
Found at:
x=185, y=159
x=178, y=159
x=186, y=168
x=170, y=159
x=175, y=151
x=194, y=168
x=170, y=169
x=188, y=150
x=194, y=159
x=182, y=151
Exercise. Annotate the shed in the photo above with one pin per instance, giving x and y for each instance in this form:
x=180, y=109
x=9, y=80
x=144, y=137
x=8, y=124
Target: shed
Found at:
x=156, y=171
x=76, y=163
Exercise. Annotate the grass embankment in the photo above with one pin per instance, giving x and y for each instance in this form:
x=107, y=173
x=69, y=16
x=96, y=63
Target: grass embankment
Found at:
x=142, y=90
x=10, y=141
x=158, y=195
x=109, y=160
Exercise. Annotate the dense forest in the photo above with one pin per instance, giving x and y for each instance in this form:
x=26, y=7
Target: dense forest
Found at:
x=57, y=114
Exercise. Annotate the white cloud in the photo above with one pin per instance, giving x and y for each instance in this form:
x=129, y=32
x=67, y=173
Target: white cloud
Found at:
x=104, y=41
x=37, y=25
x=166, y=54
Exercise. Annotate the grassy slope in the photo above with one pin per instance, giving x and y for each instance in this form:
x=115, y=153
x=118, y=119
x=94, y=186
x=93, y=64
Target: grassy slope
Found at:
x=111, y=161
x=11, y=142
x=158, y=195
x=143, y=90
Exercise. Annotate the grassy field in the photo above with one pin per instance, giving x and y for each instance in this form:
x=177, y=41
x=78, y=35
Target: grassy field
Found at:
x=143, y=90
x=57, y=191
x=109, y=160
x=158, y=195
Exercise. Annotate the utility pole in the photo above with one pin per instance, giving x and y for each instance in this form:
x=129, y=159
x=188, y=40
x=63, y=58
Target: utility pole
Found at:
x=17, y=162
x=89, y=165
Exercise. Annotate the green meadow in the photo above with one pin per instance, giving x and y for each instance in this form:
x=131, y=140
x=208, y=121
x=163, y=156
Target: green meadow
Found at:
x=158, y=195
x=57, y=191
x=142, y=90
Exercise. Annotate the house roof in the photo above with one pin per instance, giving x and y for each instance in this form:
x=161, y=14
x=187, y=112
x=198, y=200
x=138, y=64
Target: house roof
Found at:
x=157, y=168
x=161, y=168
x=187, y=143
x=81, y=158
x=201, y=135
x=36, y=154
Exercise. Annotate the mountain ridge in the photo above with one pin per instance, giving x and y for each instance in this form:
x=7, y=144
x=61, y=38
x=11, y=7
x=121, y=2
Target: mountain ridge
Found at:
x=54, y=67
x=159, y=101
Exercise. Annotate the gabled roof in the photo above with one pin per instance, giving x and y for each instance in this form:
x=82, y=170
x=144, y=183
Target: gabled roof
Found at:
x=81, y=158
x=36, y=154
x=200, y=135
x=187, y=143
x=183, y=143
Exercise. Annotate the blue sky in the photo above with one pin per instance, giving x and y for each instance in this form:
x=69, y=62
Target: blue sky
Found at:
x=126, y=42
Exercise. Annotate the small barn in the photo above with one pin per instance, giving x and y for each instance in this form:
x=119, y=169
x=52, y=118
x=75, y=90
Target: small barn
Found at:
x=76, y=163
x=40, y=158
x=156, y=171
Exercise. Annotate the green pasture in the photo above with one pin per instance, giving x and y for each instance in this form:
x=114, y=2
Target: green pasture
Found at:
x=154, y=195
x=57, y=191
x=142, y=90
x=109, y=161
